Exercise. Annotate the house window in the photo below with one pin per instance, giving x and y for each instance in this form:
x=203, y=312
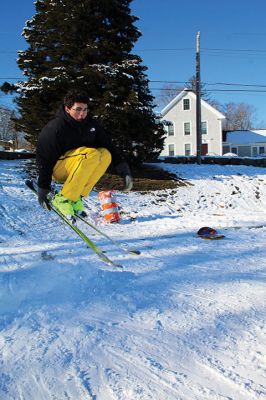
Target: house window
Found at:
x=204, y=128
x=186, y=128
x=234, y=150
x=186, y=104
x=244, y=151
x=261, y=150
x=169, y=128
x=171, y=150
x=254, y=151
x=187, y=149
x=226, y=149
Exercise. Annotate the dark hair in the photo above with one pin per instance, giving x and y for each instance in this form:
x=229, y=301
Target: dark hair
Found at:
x=75, y=96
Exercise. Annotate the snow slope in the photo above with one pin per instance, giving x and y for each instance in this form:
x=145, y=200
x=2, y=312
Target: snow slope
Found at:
x=184, y=321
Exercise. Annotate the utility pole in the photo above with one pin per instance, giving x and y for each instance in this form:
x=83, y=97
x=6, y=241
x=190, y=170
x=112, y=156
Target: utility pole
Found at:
x=198, y=100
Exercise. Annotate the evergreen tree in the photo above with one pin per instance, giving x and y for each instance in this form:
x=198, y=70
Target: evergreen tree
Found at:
x=88, y=44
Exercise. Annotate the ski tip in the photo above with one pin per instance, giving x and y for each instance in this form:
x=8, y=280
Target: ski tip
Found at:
x=135, y=252
x=115, y=266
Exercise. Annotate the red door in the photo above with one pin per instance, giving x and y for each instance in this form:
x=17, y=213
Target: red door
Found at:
x=204, y=149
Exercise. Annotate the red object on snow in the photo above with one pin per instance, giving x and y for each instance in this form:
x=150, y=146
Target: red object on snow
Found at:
x=209, y=233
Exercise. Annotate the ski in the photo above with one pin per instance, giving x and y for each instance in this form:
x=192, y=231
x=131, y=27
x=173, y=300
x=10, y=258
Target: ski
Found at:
x=129, y=251
x=88, y=241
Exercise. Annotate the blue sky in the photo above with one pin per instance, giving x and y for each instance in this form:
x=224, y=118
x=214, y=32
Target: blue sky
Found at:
x=233, y=45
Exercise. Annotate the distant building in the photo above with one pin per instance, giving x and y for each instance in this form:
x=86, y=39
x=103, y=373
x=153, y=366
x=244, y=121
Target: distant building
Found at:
x=179, y=118
x=249, y=143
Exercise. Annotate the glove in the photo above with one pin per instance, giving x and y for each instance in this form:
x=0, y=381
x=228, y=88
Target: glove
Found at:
x=43, y=199
x=128, y=183
x=124, y=171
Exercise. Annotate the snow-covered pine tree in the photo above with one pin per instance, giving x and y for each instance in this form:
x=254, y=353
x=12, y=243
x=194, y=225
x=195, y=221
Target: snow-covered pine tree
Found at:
x=88, y=44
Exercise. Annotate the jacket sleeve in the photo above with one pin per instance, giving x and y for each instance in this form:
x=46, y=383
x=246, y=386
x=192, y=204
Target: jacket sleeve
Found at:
x=47, y=154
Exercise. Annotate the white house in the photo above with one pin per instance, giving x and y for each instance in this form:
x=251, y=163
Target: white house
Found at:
x=249, y=143
x=179, y=118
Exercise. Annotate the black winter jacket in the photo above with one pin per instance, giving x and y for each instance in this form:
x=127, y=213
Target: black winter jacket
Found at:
x=63, y=133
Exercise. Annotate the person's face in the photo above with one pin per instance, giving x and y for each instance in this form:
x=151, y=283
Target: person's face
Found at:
x=78, y=111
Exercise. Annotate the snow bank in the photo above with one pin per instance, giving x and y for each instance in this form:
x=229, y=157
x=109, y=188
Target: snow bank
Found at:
x=185, y=320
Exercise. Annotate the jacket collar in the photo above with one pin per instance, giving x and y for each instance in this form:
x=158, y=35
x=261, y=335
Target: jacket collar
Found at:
x=68, y=119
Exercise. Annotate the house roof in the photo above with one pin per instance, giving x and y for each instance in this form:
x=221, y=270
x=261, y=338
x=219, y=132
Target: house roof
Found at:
x=244, y=137
x=188, y=92
x=260, y=131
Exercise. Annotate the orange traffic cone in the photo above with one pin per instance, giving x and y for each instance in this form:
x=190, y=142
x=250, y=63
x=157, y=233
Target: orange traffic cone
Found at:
x=109, y=206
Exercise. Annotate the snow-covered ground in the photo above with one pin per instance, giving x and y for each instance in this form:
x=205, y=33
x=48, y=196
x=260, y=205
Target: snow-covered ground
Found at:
x=183, y=321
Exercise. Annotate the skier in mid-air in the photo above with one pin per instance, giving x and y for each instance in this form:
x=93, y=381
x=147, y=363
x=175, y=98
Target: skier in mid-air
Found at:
x=75, y=150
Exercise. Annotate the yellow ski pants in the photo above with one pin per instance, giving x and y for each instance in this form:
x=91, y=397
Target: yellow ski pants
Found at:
x=80, y=169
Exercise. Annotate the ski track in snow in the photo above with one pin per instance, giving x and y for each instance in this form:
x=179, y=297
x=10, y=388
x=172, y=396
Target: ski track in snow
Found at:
x=183, y=321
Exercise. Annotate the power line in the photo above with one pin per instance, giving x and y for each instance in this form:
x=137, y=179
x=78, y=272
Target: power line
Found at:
x=205, y=49
x=206, y=83
x=166, y=49
x=180, y=82
x=174, y=49
x=220, y=90
x=237, y=90
x=236, y=84
x=215, y=83
x=236, y=50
